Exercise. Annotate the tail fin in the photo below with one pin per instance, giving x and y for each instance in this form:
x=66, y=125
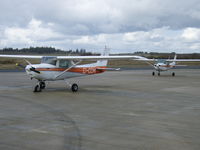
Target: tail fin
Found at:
x=175, y=57
x=105, y=53
x=174, y=62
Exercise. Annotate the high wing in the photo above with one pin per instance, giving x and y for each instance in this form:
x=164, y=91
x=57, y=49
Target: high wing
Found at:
x=170, y=60
x=74, y=57
x=183, y=60
x=98, y=57
x=21, y=56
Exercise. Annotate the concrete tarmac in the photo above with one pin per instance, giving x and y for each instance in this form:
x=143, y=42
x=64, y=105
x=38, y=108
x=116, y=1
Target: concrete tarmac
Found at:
x=123, y=110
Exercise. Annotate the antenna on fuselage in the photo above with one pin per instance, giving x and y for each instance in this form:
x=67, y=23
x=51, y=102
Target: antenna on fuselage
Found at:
x=106, y=51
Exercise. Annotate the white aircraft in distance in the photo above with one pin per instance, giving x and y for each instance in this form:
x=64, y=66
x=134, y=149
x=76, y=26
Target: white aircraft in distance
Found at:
x=54, y=68
x=161, y=65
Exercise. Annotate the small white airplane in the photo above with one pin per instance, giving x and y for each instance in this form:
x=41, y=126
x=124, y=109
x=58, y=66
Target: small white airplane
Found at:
x=161, y=65
x=54, y=68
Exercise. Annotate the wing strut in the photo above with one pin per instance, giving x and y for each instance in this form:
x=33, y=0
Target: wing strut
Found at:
x=149, y=63
x=68, y=69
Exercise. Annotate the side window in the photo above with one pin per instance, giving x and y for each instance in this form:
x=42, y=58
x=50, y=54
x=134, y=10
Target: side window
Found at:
x=64, y=63
x=53, y=62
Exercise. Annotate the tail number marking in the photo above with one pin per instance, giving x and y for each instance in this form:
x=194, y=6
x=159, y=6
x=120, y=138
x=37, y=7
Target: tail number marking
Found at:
x=89, y=70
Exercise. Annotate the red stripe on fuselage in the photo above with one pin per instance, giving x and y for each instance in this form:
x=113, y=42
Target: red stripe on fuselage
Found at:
x=167, y=66
x=83, y=70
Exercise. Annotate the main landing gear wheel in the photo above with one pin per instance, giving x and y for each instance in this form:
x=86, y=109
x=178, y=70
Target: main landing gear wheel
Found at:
x=37, y=88
x=153, y=73
x=173, y=74
x=74, y=87
x=42, y=85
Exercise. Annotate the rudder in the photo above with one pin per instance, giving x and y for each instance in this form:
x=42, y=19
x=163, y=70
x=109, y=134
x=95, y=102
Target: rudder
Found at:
x=105, y=53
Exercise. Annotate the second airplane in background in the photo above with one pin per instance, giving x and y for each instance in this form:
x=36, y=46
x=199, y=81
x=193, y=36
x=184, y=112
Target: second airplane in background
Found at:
x=161, y=65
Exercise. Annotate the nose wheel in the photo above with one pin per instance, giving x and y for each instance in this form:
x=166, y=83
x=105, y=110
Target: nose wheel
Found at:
x=40, y=86
x=173, y=74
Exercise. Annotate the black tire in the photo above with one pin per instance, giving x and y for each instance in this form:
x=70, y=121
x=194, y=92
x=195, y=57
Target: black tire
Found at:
x=158, y=73
x=173, y=74
x=37, y=88
x=153, y=73
x=42, y=85
x=74, y=87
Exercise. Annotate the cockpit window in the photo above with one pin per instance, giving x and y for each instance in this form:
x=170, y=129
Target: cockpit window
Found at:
x=162, y=61
x=64, y=63
x=49, y=60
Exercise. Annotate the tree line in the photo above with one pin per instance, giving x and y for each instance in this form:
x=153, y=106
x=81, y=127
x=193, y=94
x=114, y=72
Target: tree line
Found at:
x=83, y=52
x=44, y=50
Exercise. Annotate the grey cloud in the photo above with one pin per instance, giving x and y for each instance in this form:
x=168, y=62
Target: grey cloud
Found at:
x=102, y=16
x=74, y=19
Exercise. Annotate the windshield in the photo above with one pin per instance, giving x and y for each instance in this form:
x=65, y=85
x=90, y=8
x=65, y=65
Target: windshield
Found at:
x=49, y=60
x=162, y=61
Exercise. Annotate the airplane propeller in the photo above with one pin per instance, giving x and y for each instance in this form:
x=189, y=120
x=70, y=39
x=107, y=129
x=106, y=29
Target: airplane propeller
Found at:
x=32, y=68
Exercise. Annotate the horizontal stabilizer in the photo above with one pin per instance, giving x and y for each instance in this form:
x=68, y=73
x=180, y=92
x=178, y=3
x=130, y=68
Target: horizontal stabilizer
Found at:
x=108, y=69
x=181, y=65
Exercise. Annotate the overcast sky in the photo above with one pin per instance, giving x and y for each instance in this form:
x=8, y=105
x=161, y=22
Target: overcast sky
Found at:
x=123, y=25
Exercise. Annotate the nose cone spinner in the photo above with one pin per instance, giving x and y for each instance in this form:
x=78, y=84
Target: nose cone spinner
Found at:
x=32, y=71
